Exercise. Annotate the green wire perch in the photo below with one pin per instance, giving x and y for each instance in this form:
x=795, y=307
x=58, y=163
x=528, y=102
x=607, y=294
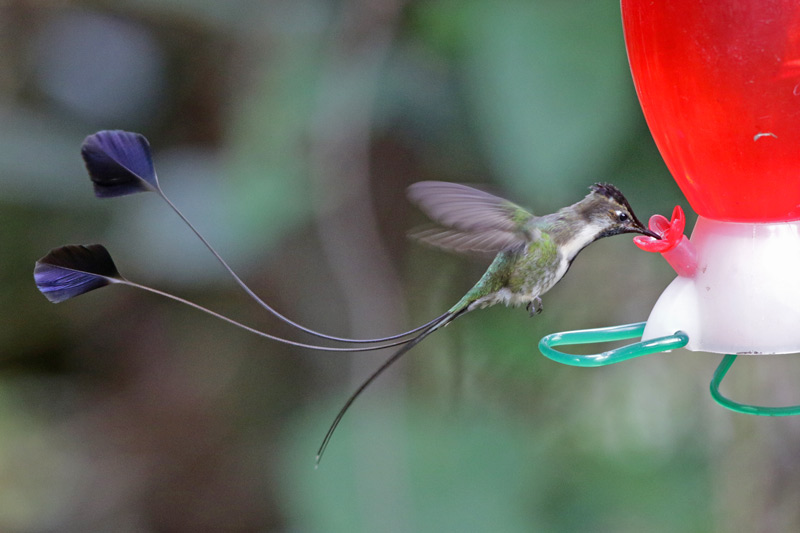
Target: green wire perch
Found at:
x=758, y=410
x=609, y=334
x=661, y=344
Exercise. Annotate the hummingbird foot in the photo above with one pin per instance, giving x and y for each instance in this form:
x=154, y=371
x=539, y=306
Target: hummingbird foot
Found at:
x=534, y=307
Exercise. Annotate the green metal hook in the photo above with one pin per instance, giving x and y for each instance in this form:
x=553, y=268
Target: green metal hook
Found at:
x=716, y=380
x=613, y=333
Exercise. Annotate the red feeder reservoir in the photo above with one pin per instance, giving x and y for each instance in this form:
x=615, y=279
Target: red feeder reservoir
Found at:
x=719, y=84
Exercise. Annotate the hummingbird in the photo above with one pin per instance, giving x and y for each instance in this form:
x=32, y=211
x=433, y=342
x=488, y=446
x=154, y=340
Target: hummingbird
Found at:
x=533, y=253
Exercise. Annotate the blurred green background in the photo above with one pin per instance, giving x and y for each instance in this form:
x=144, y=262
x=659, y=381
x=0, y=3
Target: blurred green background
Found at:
x=288, y=131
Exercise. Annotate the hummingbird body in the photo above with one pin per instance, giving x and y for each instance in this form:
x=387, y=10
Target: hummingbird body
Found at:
x=517, y=277
x=532, y=253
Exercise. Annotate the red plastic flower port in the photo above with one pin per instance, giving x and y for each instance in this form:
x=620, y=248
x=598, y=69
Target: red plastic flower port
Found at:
x=670, y=232
x=673, y=245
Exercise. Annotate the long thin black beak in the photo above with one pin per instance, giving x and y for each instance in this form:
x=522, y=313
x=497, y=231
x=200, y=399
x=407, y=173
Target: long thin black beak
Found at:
x=644, y=231
x=640, y=228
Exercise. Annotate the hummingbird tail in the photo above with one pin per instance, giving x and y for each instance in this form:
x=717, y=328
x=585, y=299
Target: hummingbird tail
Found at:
x=431, y=327
x=264, y=305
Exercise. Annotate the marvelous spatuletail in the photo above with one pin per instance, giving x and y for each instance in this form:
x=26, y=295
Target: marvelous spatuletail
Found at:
x=532, y=252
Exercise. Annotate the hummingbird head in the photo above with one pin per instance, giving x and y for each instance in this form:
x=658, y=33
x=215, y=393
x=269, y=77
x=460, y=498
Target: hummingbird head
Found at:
x=606, y=209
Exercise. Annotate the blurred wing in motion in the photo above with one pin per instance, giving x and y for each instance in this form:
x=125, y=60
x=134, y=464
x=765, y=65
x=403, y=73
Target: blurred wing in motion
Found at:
x=488, y=241
x=474, y=220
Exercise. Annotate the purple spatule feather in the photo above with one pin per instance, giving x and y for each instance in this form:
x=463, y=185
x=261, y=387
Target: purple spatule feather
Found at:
x=119, y=163
x=72, y=270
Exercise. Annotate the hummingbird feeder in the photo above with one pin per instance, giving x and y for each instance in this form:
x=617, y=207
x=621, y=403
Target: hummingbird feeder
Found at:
x=719, y=85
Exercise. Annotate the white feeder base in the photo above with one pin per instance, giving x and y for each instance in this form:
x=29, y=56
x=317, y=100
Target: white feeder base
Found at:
x=745, y=295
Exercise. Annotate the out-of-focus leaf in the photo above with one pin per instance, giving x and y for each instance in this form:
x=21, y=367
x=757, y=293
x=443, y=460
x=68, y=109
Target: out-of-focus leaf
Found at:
x=266, y=144
x=411, y=472
x=105, y=68
x=32, y=145
x=550, y=87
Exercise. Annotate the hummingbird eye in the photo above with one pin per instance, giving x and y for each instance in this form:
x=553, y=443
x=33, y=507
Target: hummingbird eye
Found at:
x=622, y=216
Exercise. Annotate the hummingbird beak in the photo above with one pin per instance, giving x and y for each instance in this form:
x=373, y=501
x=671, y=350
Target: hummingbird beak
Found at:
x=638, y=227
x=644, y=231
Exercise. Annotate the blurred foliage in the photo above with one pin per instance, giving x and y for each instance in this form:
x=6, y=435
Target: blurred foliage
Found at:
x=288, y=131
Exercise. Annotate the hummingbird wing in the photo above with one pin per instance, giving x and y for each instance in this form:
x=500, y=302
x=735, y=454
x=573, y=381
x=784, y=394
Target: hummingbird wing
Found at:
x=473, y=220
x=489, y=241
